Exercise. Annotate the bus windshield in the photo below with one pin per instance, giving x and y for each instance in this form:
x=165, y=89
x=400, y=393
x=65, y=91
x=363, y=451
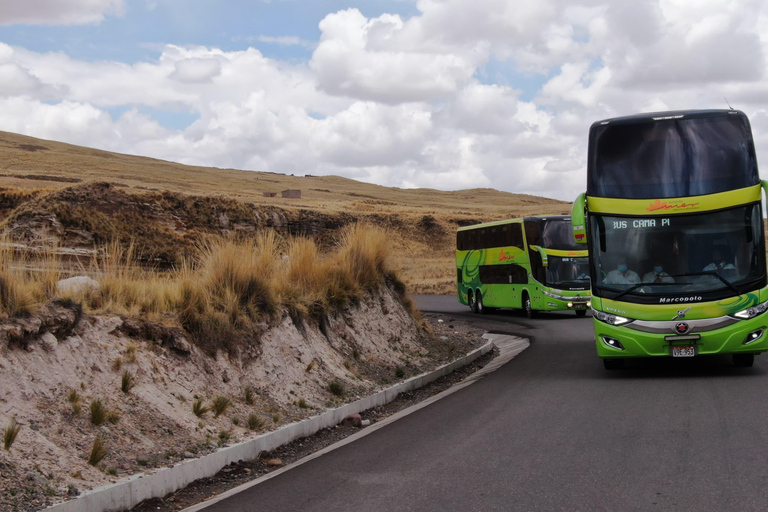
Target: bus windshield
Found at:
x=673, y=156
x=558, y=234
x=639, y=258
x=568, y=273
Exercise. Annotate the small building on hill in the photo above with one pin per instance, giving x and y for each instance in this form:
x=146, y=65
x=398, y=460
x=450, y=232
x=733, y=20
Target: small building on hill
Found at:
x=292, y=194
x=270, y=194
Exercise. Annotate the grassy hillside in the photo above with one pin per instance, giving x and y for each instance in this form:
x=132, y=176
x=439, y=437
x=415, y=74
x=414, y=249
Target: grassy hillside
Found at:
x=169, y=203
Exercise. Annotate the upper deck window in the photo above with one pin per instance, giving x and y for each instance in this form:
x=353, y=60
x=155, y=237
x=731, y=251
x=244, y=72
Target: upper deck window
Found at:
x=684, y=156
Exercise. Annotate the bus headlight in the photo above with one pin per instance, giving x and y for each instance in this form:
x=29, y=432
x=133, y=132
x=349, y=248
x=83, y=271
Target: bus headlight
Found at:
x=610, y=319
x=752, y=312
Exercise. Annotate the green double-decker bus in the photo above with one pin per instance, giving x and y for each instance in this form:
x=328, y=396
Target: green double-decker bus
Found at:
x=673, y=221
x=532, y=263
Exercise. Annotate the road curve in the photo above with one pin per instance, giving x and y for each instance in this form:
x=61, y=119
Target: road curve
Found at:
x=551, y=430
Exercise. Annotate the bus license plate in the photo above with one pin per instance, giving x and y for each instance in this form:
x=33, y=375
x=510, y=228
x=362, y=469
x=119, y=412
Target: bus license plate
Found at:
x=686, y=351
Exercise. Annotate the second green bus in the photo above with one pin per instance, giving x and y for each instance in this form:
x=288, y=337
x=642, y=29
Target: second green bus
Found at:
x=532, y=264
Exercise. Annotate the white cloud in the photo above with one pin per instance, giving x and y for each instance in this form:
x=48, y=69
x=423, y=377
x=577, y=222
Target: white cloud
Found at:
x=196, y=70
x=398, y=101
x=365, y=59
x=58, y=12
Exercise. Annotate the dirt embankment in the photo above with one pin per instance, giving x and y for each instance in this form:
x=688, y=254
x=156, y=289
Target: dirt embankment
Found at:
x=56, y=365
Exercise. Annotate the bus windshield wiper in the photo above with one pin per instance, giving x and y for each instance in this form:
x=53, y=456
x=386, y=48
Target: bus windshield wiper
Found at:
x=640, y=285
x=713, y=273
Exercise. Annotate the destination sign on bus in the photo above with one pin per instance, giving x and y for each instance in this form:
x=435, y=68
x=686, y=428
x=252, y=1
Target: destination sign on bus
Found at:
x=640, y=223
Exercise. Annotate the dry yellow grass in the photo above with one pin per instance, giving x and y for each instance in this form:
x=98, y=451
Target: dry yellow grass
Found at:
x=222, y=296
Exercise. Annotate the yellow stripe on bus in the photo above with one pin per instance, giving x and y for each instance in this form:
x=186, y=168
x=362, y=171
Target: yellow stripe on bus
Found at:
x=676, y=205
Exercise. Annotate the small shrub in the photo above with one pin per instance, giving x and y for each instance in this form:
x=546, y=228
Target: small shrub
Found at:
x=310, y=366
x=399, y=372
x=127, y=382
x=117, y=364
x=254, y=421
x=130, y=352
x=113, y=417
x=112, y=471
x=11, y=431
x=98, y=451
x=336, y=388
x=74, y=398
x=303, y=404
x=275, y=418
x=224, y=437
x=98, y=412
x=249, y=395
x=198, y=408
x=220, y=404
x=235, y=421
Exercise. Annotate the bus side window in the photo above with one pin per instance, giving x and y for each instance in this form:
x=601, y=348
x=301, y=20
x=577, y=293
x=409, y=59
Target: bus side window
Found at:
x=516, y=235
x=532, y=234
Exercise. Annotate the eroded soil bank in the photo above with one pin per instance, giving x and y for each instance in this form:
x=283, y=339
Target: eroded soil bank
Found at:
x=55, y=365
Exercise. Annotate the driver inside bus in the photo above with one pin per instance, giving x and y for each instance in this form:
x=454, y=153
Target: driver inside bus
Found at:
x=657, y=275
x=718, y=262
x=622, y=274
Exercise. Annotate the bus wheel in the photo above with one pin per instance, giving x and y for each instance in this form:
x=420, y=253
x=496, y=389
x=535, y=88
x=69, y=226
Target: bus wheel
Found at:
x=527, y=307
x=581, y=312
x=743, y=360
x=479, y=307
x=613, y=363
x=471, y=301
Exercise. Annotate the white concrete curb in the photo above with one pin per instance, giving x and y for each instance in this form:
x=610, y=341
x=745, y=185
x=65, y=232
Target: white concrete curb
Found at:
x=137, y=488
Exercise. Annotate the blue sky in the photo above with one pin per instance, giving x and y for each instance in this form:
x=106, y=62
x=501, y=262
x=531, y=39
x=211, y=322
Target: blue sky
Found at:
x=448, y=94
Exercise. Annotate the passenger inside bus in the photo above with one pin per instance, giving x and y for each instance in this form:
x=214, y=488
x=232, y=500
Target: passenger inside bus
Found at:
x=622, y=274
x=658, y=275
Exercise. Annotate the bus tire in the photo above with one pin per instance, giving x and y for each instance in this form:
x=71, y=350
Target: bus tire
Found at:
x=581, y=312
x=479, y=306
x=471, y=301
x=743, y=360
x=613, y=363
x=527, y=306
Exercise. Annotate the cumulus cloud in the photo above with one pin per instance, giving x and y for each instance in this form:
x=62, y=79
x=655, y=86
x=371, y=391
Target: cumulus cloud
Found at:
x=196, y=70
x=58, y=12
x=401, y=101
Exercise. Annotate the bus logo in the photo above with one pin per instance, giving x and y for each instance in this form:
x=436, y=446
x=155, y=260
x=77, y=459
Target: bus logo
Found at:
x=681, y=328
x=681, y=313
x=503, y=256
x=663, y=205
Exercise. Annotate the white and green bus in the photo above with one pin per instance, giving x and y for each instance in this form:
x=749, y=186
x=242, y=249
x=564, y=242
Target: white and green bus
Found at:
x=673, y=221
x=532, y=264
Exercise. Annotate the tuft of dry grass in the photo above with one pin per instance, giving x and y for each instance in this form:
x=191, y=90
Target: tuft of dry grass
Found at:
x=10, y=433
x=220, y=404
x=98, y=412
x=254, y=421
x=98, y=451
x=127, y=382
x=249, y=395
x=198, y=409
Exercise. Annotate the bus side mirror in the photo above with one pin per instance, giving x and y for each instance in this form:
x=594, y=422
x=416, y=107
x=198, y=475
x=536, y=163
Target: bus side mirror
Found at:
x=578, y=219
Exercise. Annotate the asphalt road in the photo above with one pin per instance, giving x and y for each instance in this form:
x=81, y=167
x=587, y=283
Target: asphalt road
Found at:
x=552, y=430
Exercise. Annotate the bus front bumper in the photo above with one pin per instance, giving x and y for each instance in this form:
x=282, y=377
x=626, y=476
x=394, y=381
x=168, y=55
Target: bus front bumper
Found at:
x=742, y=336
x=552, y=301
